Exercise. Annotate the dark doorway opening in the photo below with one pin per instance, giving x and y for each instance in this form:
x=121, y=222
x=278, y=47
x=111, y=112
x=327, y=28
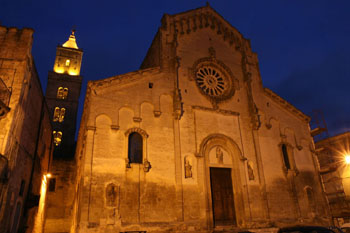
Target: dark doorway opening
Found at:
x=222, y=197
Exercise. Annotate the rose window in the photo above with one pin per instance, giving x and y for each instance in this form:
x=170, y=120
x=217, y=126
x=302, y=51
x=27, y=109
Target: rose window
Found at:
x=211, y=81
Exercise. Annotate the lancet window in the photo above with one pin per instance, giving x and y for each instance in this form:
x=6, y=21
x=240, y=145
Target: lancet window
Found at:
x=285, y=156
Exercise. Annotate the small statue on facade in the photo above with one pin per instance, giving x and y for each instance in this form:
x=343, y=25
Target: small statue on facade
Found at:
x=219, y=155
x=188, y=169
x=250, y=171
x=111, y=195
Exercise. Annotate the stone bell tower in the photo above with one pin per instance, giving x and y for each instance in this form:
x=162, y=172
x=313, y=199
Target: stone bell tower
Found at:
x=62, y=95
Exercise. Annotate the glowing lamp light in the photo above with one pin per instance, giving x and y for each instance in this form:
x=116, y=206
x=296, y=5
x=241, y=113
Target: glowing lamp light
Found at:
x=48, y=175
x=73, y=73
x=347, y=159
x=59, y=70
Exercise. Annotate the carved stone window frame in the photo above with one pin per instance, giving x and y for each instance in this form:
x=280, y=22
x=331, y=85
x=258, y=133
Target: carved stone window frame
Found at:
x=290, y=153
x=144, y=135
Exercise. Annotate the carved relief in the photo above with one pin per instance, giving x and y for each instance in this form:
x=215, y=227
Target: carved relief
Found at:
x=188, y=167
x=219, y=155
x=111, y=195
x=138, y=130
x=250, y=171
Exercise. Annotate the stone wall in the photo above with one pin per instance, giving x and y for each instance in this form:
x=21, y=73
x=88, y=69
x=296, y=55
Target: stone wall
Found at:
x=25, y=138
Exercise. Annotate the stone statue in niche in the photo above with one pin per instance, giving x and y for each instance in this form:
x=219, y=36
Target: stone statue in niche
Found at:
x=111, y=195
x=219, y=155
x=250, y=171
x=188, y=168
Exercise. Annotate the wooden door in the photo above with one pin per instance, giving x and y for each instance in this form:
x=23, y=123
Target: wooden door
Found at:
x=222, y=196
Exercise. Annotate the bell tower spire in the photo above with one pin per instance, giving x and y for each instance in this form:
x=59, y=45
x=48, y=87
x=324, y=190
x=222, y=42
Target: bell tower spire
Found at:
x=62, y=94
x=68, y=57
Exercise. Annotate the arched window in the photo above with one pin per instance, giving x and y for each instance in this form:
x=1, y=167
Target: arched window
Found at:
x=60, y=93
x=62, y=113
x=56, y=114
x=57, y=137
x=67, y=62
x=285, y=157
x=135, y=148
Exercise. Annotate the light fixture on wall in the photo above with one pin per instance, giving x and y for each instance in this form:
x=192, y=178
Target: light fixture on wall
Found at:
x=146, y=165
x=347, y=159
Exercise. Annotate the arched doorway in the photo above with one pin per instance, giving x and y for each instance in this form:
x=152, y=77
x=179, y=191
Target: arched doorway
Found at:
x=224, y=168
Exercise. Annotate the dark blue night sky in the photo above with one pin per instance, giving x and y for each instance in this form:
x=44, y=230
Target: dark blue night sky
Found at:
x=303, y=46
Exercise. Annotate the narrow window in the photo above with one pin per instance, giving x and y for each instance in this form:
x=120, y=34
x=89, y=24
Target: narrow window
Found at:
x=52, y=185
x=62, y=113
x=56, y=114
x=135, y=148
x=65, y=93
x=60, y=93
x=21, y=189
x=67, y=62
x=285, y=157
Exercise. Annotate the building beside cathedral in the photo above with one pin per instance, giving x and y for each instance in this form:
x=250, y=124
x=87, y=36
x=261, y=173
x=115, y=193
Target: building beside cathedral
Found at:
x=334, y=157
x=25, y=135
x=190, y=142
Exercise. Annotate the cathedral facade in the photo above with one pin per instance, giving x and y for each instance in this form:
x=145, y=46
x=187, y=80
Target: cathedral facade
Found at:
x=193, y=142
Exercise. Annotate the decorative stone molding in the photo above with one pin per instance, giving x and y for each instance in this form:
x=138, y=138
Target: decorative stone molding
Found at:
x=178, y=105
x=157, y=113
x=137, y=130
x=90, y=127
x=115, y=127
x=202, y=18
x=213, y=78
x=221, y=111
x=137, y=119
x=222, y=140
x=293, y=169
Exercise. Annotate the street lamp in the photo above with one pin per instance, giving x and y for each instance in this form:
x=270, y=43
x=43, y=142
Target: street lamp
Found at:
x=347, y=159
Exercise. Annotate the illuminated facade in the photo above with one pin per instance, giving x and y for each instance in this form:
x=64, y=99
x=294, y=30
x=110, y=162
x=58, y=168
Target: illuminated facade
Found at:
x=193, y=142
x=25, y=134
x=333, y=154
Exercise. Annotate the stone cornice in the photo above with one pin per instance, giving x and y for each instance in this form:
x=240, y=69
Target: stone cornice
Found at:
x=221, y=111
x=283, y=103
x=123, y=78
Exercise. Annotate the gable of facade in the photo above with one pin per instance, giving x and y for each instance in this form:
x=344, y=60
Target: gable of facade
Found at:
x=214, y=149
